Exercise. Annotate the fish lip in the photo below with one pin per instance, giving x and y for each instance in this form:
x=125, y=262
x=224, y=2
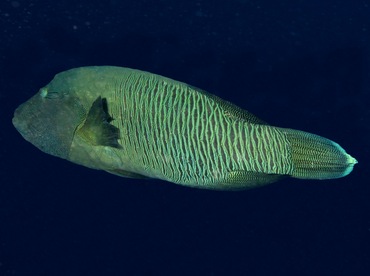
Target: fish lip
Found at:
x=48, y=124
x=19, y=124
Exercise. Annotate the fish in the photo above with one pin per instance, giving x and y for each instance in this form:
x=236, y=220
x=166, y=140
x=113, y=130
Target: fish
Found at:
x=136, y=124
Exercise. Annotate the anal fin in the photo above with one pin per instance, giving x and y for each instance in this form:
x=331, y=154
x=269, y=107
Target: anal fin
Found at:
x=128, y=174
x=242, y=180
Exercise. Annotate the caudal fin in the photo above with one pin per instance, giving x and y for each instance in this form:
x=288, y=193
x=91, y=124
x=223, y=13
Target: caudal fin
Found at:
x=315, y=157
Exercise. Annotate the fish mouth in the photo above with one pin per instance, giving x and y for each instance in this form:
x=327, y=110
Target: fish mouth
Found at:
x=27, y=121
x=22, y=123
x=45, y=125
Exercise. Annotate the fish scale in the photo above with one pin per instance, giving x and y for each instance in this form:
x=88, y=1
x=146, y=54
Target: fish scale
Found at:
x=185, y=158
x=141, y=125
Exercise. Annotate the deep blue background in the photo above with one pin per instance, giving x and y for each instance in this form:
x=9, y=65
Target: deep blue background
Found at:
x=302, y=64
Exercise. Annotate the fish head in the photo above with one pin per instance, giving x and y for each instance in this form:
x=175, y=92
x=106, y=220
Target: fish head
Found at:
x=49, y=120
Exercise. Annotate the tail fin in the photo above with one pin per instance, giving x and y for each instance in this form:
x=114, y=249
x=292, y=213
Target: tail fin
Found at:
x=315, y=157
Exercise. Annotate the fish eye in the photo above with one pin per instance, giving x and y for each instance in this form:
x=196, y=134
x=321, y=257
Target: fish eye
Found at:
x=53, y=95
x=46, y=94
x=43, y=92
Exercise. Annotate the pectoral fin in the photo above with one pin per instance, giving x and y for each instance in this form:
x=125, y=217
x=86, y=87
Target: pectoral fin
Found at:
x=96, y=128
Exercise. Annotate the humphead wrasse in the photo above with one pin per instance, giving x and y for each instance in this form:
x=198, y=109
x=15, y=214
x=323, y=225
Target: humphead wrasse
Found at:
x=141, y=125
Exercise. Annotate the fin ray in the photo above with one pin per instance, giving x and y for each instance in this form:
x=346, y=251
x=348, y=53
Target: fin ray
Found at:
x=97, y=129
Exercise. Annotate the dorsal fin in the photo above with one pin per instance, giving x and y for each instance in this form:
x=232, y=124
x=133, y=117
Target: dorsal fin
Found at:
x=97, y=129
x=232, y=110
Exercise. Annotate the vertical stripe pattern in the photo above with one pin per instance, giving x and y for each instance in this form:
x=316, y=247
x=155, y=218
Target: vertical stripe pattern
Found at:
x=174, y=132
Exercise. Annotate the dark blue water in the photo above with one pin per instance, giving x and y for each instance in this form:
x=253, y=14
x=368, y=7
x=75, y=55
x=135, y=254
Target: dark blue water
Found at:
x=299, y=64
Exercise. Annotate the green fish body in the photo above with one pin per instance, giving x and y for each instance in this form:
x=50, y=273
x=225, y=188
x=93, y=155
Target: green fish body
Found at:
x=141, y=125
